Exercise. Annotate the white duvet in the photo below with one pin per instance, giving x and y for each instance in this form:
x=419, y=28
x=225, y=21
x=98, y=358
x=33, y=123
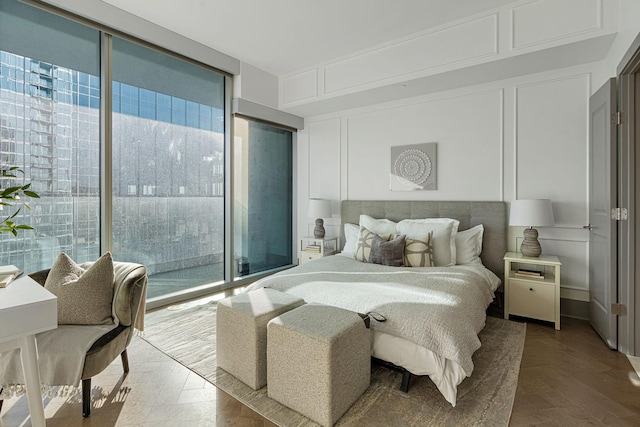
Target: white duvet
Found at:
x=438, y=311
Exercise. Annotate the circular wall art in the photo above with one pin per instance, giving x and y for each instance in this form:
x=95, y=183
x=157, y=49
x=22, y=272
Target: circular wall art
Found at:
x=413, y=165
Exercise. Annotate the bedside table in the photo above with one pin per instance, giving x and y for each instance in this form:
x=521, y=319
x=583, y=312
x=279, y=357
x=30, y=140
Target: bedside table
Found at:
x=311, y=248
x=532, y=287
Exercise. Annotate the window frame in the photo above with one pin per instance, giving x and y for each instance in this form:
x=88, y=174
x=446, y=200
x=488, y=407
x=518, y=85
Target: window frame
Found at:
x=115, y=22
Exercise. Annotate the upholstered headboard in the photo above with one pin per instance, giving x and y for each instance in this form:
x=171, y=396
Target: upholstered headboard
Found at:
x=492, y=215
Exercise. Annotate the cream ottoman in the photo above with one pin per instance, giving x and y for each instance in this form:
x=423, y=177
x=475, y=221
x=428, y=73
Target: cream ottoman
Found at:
x=241, y=332
x=318, y=361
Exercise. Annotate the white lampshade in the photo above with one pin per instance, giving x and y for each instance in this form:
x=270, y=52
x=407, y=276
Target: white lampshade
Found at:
x=531, y=213
x=319, y=208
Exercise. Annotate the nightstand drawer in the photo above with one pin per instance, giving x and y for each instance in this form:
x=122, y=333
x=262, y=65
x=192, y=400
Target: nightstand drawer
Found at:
x=306, y=256
x=530, y=299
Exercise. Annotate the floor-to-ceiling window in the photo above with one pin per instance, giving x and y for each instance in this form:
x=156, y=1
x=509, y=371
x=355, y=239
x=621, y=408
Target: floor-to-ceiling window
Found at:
x=263, y=206
x=167, y=186
x=168, y=167
x=49, y=128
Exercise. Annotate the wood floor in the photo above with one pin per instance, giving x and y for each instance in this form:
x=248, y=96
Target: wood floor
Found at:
x=567, y=378
x=158, y=391
x=570, y=377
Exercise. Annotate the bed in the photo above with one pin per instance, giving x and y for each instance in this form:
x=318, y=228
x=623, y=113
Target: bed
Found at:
x=428, y=317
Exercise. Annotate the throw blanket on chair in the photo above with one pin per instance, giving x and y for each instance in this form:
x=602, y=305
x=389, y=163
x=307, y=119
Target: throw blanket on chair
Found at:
x=62, y=351
x=61, y=354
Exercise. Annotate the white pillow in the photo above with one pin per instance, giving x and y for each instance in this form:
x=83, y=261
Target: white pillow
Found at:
x=350, y=240
x=382, y=227
x=444, y=236
x=469, y=245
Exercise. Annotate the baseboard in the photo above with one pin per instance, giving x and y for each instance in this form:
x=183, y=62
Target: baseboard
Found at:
x=568, y=307
x=574, y=308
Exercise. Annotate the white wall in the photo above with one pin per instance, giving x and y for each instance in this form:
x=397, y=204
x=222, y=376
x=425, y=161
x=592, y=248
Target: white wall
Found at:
x=518, y=38
x=510, y=116
x=628, y=29
x=524, y=137
x=256, y=85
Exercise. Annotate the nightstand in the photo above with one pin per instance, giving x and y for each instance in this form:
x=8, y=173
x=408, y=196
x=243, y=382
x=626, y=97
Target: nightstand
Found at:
x=532, y=287
x=312, y=248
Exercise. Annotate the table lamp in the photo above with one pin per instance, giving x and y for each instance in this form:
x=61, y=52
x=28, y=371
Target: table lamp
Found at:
x=531, y=213
x=319, y=208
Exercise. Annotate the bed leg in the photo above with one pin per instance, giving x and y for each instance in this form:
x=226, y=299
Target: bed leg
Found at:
x=406, y=378
x=406, y=375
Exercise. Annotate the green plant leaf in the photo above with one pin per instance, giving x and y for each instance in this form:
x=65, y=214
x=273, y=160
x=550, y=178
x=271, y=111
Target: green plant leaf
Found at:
x=11, y=190
x=11, y=197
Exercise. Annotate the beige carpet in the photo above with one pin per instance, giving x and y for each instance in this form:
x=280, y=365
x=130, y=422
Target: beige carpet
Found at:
x=484, y=399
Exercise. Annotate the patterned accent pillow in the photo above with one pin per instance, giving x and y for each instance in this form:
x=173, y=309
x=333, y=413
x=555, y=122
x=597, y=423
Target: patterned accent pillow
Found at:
x=389, y=253
x=363, y=248
x=419, y=252
x=84, y=296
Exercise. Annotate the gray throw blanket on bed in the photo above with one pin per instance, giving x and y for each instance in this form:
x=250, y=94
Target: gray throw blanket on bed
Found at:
x=440, y=308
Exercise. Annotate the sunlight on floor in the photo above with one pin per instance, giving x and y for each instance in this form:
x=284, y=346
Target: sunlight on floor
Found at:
x=635, y=377
x=157, y=391
x=204, y=300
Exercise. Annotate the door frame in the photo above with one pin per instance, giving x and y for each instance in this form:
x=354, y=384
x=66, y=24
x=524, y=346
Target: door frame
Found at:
x=628, y=84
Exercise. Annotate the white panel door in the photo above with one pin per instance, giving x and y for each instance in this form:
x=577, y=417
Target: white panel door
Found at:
x=602, y=197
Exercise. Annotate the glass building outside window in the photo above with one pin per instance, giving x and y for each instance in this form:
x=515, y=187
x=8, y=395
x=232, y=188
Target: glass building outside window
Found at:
x=167, y=158
x=49, y=127
x=168, y=167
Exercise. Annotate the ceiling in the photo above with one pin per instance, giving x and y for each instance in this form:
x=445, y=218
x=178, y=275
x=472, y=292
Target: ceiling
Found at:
x=284, y=36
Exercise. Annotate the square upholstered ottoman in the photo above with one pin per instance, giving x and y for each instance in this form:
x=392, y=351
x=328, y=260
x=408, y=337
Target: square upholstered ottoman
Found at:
x=318, y=361
x=241, y=332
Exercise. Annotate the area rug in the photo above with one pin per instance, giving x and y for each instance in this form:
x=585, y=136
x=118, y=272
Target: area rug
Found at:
x=484, y=399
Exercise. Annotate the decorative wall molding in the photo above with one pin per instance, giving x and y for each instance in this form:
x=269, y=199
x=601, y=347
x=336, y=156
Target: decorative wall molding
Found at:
x=361, y=139
x=324, y=164
x=564, y=137
x=574, y=257
x=477, y=146
x=535, y=35
x=543, y=21
x=300, y=87
x=574, y=294
x=473, y=39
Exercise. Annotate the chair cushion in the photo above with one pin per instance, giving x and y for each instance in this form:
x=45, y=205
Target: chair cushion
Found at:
x=84, y=296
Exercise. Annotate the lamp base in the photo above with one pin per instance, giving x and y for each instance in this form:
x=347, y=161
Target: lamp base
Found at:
x=530, y=246
x=318, y=231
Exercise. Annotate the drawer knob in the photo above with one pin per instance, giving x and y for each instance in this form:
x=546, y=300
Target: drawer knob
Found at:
x=531, y=289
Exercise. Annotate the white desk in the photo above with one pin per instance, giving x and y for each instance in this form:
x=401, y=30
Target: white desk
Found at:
x=26, y=308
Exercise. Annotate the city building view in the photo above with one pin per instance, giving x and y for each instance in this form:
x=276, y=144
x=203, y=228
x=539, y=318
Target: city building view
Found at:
x=168, y=173
x=133, y=149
